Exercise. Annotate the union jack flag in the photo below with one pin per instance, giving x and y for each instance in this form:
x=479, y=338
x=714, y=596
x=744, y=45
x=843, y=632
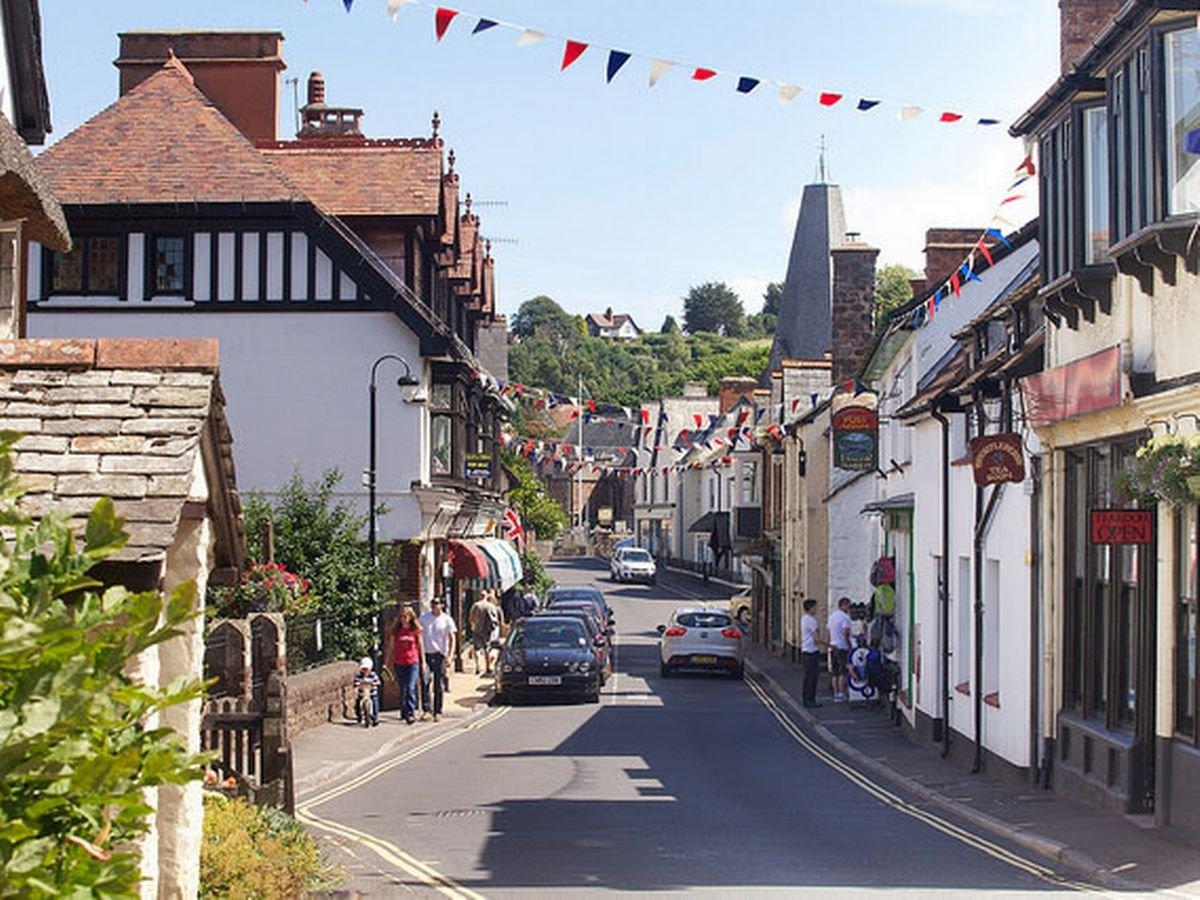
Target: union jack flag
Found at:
x=512, y=528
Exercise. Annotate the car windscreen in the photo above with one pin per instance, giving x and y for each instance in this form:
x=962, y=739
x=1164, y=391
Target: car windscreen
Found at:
x=703, y=620
x=552, y=633
x=635, y=556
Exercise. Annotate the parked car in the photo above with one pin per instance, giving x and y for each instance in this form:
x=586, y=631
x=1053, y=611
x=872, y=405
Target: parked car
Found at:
x=586, y=614
x=633, y=564
x=700, y=639
x=549, y=656
x=741, y=607
x=564, y=594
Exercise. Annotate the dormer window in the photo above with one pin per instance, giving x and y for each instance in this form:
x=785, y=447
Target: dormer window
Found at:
x=1182, y=63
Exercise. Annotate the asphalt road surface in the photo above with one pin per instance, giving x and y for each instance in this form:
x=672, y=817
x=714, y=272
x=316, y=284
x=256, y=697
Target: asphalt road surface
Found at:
x=691, y=784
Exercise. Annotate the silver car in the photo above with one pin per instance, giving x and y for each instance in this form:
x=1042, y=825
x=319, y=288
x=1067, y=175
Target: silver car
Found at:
x=633, y=564
x=700, y=639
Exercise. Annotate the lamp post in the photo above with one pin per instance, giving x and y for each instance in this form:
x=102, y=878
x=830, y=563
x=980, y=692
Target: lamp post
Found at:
x=410, y=388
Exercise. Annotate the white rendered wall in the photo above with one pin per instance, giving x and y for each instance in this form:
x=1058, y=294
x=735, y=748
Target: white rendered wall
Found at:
x=296, y=390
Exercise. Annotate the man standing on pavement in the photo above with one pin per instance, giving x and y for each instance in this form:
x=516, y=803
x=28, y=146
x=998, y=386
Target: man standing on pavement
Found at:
x=810, y=653
x=839, y=647
x=439, y=631
x=485, y=620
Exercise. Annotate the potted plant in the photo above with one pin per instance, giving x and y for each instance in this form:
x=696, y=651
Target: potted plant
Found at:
x=1166, y=468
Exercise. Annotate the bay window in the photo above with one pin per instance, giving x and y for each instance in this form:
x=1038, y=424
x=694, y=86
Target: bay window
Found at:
x=441, y=429
x=1181, y=60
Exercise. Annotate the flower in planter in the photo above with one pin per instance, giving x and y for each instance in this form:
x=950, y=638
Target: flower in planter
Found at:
x=1166, y=468
x=268, y=587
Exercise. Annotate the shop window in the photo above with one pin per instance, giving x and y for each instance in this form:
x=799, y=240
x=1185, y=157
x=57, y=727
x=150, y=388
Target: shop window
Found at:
x=1181, y=56
x=169, y=262
x=1187, y=667
x=91, y=267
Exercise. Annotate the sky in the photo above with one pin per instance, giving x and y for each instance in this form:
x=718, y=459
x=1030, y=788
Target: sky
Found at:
x=619, y=195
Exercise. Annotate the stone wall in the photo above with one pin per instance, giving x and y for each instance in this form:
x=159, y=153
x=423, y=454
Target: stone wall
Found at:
x=853, y=307
x=324, y=694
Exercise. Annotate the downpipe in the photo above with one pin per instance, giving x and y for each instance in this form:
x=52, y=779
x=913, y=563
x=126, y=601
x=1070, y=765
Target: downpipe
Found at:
x=944, y=588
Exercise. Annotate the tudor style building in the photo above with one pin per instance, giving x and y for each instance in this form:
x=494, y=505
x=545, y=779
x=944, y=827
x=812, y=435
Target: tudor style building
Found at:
x=309, y=259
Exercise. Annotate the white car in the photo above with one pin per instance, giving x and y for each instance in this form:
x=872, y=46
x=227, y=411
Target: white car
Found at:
x=700, y=639
x=633, y=564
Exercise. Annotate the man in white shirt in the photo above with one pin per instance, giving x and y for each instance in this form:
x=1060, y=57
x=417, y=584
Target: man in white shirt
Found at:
x=437, y=633
x=839, y=647
x=810, y=653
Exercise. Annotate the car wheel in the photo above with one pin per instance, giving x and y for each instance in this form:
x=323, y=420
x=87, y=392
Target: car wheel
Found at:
x=501, y=698
x=743, y=616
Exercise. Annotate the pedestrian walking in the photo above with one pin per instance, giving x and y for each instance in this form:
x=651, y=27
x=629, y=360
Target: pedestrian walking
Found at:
x=438, y=632
x=366, y=693
x=407, y=655
x=485, y=620
x=839, y=626
x=526, y=605
x=810, y=654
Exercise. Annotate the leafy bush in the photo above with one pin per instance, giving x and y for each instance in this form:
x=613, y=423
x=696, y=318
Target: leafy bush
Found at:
x=538, y=510
x=75, y=754
x=535, y=573
x=252, y=852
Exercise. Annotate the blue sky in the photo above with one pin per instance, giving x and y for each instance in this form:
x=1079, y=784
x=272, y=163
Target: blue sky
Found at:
x=622, y=196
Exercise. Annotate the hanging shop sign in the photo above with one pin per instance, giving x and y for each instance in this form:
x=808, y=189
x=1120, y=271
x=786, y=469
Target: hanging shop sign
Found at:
x=856, y=439
x=1121, y=526
x=997, y=458
x=479, y=465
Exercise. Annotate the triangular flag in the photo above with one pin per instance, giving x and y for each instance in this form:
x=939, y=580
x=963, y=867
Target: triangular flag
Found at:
x=701, y=74
x=950, y=117
x=529, y=36
x=1027, y=165
x=998, y=235
x=746, y=84
x=1191, y=141
x=394, y=7
x=348, y=4
x=442, y=19
x=987, y=254
x=988, y=122
x=908, y=113
x=955, y=285
x=484, y=25
x=658, y=68
x=571, y=52
x=828, y=98
x=864, y=105
x=788, y=93
x=970, y=276
x=616, y=59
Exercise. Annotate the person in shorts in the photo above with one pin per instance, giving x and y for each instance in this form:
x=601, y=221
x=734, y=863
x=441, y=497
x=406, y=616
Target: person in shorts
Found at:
x=485, y=619
x=839, y=647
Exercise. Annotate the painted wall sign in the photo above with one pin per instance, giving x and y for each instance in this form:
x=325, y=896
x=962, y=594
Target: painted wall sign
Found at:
x=1085, y=386
x=856, y=439
x=1121, y=526
x=478, y=465
x=997, y=458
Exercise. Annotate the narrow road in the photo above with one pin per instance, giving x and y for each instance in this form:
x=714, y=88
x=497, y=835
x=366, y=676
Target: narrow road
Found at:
x=674, y=785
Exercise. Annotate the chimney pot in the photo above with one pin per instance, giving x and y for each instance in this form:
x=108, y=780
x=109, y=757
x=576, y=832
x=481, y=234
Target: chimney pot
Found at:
x=316, y=89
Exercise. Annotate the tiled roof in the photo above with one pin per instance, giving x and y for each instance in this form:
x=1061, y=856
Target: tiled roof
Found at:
x=24, y=193
x=373, y=178
x=162, y=141
x=98, y=422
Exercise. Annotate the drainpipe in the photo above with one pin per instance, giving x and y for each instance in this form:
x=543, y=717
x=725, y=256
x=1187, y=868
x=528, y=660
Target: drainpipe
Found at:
x=944, y=592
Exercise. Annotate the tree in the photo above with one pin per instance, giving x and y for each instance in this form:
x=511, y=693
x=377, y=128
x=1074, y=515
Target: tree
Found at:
x=541, y=315
x=78, y=757
x=713, y=307
x=538, y=511
x=773, y=299
x=669, y=326
x=892, y=289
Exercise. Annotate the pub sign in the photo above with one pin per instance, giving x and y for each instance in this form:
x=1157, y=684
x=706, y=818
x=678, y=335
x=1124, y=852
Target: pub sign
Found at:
x=856, y=438
x=1121, y=526
x=479, y=465
x=997, y=458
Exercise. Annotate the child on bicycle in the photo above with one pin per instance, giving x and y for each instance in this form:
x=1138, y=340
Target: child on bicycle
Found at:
x=366, y=693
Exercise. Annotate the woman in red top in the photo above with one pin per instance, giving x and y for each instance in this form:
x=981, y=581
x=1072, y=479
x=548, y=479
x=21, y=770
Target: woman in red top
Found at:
x=408, y=651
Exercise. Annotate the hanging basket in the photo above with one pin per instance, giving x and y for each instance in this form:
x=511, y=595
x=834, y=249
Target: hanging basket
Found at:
x=1165, y=469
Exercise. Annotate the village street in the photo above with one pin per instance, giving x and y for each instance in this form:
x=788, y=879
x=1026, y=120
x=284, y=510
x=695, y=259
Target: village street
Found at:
x=654, y=789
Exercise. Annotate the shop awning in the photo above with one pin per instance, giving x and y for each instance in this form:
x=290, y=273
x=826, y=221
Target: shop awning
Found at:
x=703, y=525
x=507, y=561
x=468, y=561
x=900, y=501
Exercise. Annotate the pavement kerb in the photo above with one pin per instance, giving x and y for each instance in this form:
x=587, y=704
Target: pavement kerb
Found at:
x=1043, y=846
x=336, y=771
x=721, y=581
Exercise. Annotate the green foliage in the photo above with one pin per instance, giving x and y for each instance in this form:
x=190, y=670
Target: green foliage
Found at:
x=76, y=756
x=254, y=852
x=538, y=511
x=535, y=574
x=670, y=326
x=543, y=317
x=763, y=324
x=714, y=308
x=892, y=289
x=319, y=539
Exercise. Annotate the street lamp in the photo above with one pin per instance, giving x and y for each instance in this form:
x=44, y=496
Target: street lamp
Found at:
x=410, y=392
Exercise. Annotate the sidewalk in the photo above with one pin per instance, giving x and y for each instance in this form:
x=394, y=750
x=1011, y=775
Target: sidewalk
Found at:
x=1113, y=849
x=330, y=751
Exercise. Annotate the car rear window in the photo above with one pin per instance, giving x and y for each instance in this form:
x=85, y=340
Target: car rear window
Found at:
x=549, y=633
x=558, y=595
x=703, y=620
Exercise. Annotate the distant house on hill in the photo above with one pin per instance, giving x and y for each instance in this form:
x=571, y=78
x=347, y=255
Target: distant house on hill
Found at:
x=616, y=326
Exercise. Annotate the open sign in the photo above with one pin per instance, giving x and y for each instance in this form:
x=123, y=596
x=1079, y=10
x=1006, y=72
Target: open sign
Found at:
x=1121, y=526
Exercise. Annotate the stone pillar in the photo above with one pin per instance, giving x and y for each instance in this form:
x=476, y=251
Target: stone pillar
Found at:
x=180, y=807
x=853, y=307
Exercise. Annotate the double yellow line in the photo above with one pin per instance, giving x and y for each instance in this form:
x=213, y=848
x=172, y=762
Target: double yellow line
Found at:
x=899, y=804
x=386, y=850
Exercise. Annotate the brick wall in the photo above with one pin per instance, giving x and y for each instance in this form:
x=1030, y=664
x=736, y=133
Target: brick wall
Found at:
x=945, y=250
x=324, y=694
x=853, y=307
x=735, y=389
x=1081, y=22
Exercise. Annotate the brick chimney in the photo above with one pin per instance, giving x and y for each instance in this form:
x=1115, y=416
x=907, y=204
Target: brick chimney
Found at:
x=237, y=70
x=1081, y=23
x=320, y=120
x=734, y=390
x=853, y=305
x=945, y=250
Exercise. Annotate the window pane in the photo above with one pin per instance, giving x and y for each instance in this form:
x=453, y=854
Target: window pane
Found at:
x=1095, y=179
x=442, y=445
x=168, y=265
x=1183, y=120
x=442, y=396
x=102, y=265
x=67, y=269
x=1185, y=621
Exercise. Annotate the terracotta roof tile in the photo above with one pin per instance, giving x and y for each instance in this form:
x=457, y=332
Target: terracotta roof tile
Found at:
x=374, y=178
x=162, y=141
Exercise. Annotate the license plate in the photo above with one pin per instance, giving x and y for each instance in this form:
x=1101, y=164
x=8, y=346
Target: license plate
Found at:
x=536, y=680
x=704, y=660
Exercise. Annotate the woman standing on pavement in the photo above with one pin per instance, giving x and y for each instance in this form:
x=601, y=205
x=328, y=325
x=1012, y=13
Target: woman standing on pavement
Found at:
x=408, y=653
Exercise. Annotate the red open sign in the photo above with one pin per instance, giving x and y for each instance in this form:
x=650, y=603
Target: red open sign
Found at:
x=1122, y=526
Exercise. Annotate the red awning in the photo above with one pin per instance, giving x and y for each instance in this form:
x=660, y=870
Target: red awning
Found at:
x=468, y=561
